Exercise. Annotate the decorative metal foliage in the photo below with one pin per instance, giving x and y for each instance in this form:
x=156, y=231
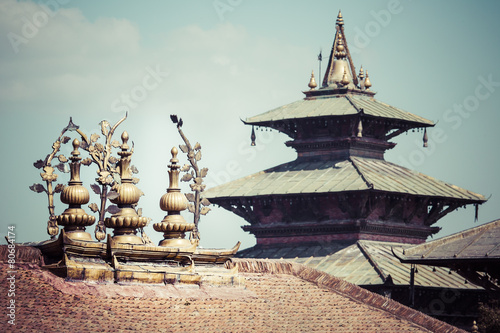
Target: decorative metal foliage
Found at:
x=50, y=177
x=197, y=205
x=107, y=172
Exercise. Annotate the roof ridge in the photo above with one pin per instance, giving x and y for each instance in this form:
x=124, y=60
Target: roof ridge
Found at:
x=458, y=235
x=359, y=110
x=370, y=185
x=378, y=269
x=344, y=288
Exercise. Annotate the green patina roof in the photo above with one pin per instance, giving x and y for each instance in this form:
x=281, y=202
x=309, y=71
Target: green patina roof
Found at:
x=354, y=174
x=478, y=243
x=339, y=105
x=362, y=263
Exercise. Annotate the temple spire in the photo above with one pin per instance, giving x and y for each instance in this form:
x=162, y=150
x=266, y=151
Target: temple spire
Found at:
x=340, y=58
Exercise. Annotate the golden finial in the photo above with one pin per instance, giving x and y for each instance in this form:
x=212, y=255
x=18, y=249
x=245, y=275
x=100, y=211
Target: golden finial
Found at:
x=361, y=73
x=173, y=225
x=474, y=327
x=340, y=20
x=125, y=138
x=74, y=218
x=126, y=221
x=345, y=80
x=312, y=83
x=340, y=49
x=75, y=152
x=368, y=84
x=174, y=159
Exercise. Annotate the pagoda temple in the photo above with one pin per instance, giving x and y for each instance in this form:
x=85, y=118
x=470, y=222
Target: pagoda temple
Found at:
x=340, y=189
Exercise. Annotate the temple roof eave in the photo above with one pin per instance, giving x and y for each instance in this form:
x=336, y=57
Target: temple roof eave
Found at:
x=338, y=106
x=352, y=175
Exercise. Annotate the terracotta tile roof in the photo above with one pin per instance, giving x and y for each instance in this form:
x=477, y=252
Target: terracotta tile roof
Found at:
x=280, y=296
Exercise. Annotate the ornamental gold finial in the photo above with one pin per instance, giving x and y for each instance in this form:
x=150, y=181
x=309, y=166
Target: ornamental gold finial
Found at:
x=340, y=49
x=345, y=80
x=361, y=73
x=368, y=84
x=126, y=221
x=74, y=218
x=173, y=225
x=340, y=20
x=312, y=82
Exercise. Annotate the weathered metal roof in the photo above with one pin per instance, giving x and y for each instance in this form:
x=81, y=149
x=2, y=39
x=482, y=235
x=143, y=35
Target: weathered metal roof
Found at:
x=354, y=174
x=337, y=105
x=363, y=263
x=478, y=243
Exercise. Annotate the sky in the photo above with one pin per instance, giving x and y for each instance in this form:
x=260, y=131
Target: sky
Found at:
x=216, y=62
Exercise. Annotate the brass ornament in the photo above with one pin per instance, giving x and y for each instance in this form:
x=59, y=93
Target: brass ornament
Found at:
x=126, y=221
x=345, y=80
x=74, y=218
x=312, y=82
x=50, y=177
x=173, y=225
x=107, y=172
x=340, y=20
x=340, y=52
x=198, y=205
x=367, y=82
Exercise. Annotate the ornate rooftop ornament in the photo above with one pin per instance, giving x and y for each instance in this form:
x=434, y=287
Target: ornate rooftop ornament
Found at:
x=198, y=205
x=312, y=82
x=107, y=172
x=340, y=59
x=173, y=225
x=340, y=50
x=367, y=83
x=345, y=80
x=74, y=218
x=126, y=221
x=340, y=20
x=50, y=177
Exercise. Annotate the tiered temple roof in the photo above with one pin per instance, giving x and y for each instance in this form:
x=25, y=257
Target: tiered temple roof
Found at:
x=340, y=187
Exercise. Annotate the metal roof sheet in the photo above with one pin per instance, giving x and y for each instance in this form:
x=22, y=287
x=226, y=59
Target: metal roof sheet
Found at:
x=362, y=263
x=338, y=105
x=354, y=174
x=481, y=242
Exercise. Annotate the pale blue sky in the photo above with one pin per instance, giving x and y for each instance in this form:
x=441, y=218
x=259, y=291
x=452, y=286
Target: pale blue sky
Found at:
x=219, y=61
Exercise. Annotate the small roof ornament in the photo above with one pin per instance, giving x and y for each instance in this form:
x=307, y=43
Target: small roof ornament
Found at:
x=340, y=50
x=312, y=82
x=345, y=79
x=368, y=83
x=340, y=20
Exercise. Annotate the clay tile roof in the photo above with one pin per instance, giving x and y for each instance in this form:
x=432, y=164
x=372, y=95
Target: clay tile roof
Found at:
x=279, y=296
